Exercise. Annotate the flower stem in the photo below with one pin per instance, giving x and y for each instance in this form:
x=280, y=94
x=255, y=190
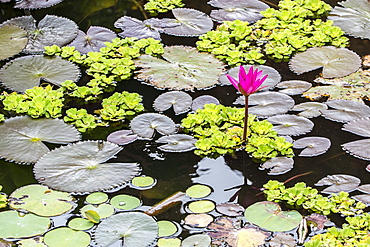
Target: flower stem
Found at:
x=245, y=119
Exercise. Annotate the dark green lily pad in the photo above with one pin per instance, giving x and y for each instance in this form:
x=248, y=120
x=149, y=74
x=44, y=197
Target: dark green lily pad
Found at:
x=338, y=183
x=180, y=101
x=22, y=137
x=125, y=202
x=182, y=67
x=291, y=125
x=278, y=165
x=177, y=143
x=20, y=225
x=41, y=200
x=64, y=236
x=310, y=109
x=26, y=72
x=345, y=110
x=313, y=145
x=293, y=87
x=145, y=124
x=268, y=215
x=336, y=62
x=12, y=40
x=136, y=229
x=166, y=228
x=81, y=168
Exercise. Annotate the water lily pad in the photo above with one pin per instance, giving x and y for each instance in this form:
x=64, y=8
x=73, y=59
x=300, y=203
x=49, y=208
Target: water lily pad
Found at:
x=353, y=19
x=12, y=40
x=143, y=181
x=183, y=68
x=22, y=137
x=177, y=143
x=64, y=236
x=359, y=127
x=245, y=10
x=145, y=124
x=180, y=101
x=198, y=191
x=336, y=62
x=293, y=87
x=199, y=240
x=268, y=215
x=313, y=145
x=291, y=125
x=346, y=110
x=365, y=188
x=104, y=210
x=278, y=165
x=41, y=200
x=362, y=198
x=122, y=137
x=80, y=168
x=338, y=183
x=125, y=202
x=166, y=228
x=230, y=209
x=310, y=109
x=22, y=226
x=199, y=102
x=198, y=220
x=35, y=4
x=282, y=239
x=202, y=206
x=30, y=242
x=133, y=27
x=80, y=224
x=267, y=103
x=97, y=198
x=169, y=242
x=51, y=30
x=192, y=23
x=26, y=72
x=360, y=149
x=93, y=39
x=136, y=229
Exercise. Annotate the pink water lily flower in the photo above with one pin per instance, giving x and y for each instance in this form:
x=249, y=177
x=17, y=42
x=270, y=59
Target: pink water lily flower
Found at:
x=248, y=82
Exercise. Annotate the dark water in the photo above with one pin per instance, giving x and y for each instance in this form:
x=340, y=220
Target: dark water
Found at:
x=176, y=172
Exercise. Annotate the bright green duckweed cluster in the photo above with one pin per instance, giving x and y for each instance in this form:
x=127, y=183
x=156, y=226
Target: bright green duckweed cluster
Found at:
x=110, y=65
x=160, y=6
x=219, y=131
x=294, y=27
x=3, y=199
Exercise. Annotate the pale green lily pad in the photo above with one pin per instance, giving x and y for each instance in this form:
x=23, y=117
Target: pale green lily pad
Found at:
x=20, y=225
x=198, y=191
x=202, y=206
x=177, y=143
x=360, y=148
x=26, y=72
x=359, y=127
x=49, y=31
x=144, y=125
x=30, y=242
x=104, y=210
x=41, y=200
x=125, y=202
x=80, y=224
x=199, y=240
x=143, y=181
x=169, y=242
x=313, y=145
x=81, y=168
x=166, y=228
x=65, y=236
x=293, y=87
x=336, y=62
x=310, y=109
x=268, y=215
x=136, y=229
x=338, y=183
x=354, y=18
x=97, y=198
x=278, y=165
x=12, y=40
x=182, y=67
x=345, y=110
x=291, y=125
x=22, y=137
x=180, y=101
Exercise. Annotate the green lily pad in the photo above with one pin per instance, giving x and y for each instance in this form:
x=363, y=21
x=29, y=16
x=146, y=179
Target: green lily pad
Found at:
x=104, y=210
x=41, y=200
x=136, y=229
x=169, y=242
x=125, y=202
x=268, y=215
x=81, y=168
x=182, y=67
x=65, y=236
x=30, y=243
x=80, y=224
x=97, y=198
x=202, y=206
x=199, y=240
x=26, y=72
x=198, y=191
x=20, y=225
x=143, y=181
x=12, y=40
x=166, y=228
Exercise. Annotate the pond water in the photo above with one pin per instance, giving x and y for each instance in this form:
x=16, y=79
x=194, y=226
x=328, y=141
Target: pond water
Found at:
x=228, y=176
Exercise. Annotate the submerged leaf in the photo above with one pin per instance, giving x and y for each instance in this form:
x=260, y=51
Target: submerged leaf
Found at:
x=133, y=27
x=291, y=125
x=22, y=137
x=12, y=40
x=313, y=145
x=145, y=124
x=346, y=110
x=310, y=109
x=244, y=10
x=199, y=102
x=293, y=87
x=177, y=143
x=336, y=62
x=338, y=183
x=279, y=165
x=80, y=168
x=26, y=72
x=183, y=68
x=180, y=101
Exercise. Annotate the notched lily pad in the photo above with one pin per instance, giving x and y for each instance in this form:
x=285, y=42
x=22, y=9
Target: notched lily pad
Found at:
x=177, y=143
x=336, y=62
x=122, y=137
x=338, y=183
x=346, y=110
x=12, y=40
x=278, y=165
x=313, y=145
x=291, y=125
x=293, y=87
x=360, y=149
x=145, y=124
x=310, y=109
x=26, y=72
x=359, y=127
x=35, y=4
x=180, y=101
x=182, y=67
x=199, y=102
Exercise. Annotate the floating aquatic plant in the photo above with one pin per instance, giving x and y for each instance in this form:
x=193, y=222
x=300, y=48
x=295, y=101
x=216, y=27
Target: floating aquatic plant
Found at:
x=160, y=6
x=180, y=101
x=3, y=198
x=82, y=120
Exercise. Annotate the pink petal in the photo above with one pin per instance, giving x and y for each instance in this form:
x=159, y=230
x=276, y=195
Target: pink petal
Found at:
x=233, y=81
x=242, y=74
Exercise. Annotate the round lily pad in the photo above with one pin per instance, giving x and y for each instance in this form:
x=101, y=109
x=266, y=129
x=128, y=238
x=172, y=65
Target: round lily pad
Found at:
x=104, y=210
x=199, y=240
x=143, y=181
x=125, y=202
x=198, y=220
x=199, y=102
x=166, y=228
x=268, y=215
x=65, y=236
x=180, y=101
x=20, y=225
x=230, y=209
x=144, y=125
x=313, y=145
x=291, y=124
x=338, y=183
x=169, y=242
x=30, y=242
x=80, y=224
x=278, y=165
x=97, y=198
x=203, y=206
x=198, y=191
x=12, y=40
x=177, y=143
